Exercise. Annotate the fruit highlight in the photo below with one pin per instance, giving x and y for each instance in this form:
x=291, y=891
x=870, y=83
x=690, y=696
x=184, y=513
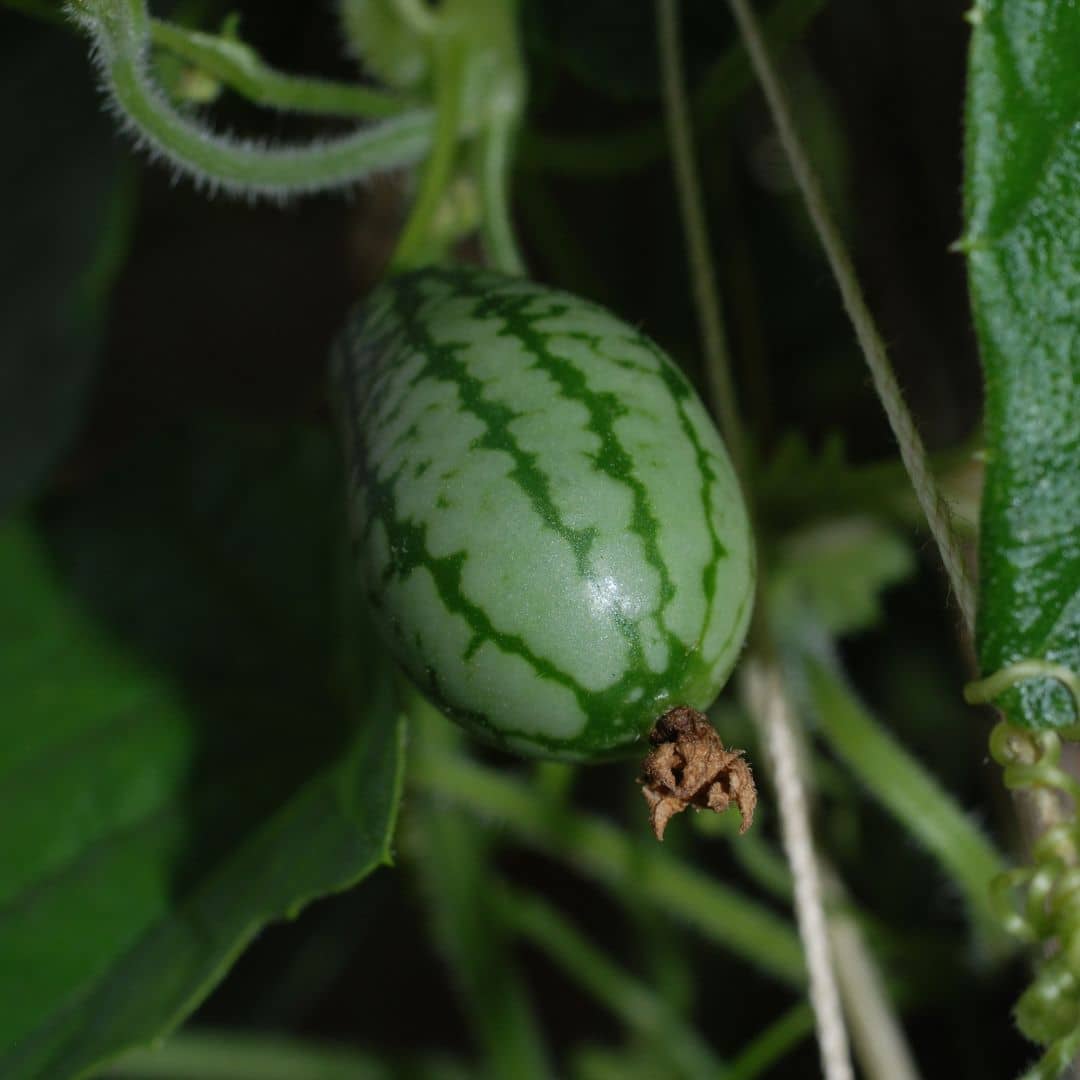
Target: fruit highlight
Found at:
x=549, y=529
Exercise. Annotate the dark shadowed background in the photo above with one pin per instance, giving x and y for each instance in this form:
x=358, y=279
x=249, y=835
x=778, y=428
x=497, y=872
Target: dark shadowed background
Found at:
x=157, y=309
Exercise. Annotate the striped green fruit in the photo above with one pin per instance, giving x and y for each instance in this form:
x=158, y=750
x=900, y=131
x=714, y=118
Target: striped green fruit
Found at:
x=548, y=526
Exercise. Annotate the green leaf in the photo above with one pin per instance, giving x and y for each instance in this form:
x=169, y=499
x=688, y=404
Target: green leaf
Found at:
x=838, y=569
x=240, y=1055
x=1023, y=242
x=178, y=763
x=386, y=44
x=69, y=204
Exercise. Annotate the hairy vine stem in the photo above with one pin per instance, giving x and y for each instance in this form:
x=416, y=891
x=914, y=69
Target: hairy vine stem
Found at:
x=120, y=31
x=240, y=67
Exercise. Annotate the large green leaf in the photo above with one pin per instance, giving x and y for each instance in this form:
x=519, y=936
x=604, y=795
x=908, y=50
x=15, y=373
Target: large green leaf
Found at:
x=179, y=761
x=837, y=569
x=68, y=197
x=1023, y=239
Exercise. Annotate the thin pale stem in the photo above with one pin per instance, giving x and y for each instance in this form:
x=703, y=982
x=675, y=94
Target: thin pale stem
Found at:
x=912, y=451
x=769, y=705
x=121, y=34
x=696, y=232
x=242, y=70
x=879, y=1040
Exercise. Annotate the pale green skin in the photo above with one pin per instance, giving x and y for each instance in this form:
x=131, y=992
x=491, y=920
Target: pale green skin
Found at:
x=548, y=524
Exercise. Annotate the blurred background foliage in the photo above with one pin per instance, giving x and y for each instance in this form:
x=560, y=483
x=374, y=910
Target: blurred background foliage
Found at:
x=162, y=406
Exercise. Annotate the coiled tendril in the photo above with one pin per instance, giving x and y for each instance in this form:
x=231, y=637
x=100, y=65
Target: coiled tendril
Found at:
x=1040, y=903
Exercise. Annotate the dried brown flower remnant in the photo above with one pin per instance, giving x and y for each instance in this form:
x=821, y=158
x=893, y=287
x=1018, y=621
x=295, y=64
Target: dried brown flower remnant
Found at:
x=690, y=767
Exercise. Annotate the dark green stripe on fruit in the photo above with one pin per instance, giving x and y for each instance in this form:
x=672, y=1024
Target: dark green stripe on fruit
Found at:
x=408, y=320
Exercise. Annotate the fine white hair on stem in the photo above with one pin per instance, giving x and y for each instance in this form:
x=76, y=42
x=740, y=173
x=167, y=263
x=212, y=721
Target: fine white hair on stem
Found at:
x=216, y=161
x=912, y=451
x=764, y=691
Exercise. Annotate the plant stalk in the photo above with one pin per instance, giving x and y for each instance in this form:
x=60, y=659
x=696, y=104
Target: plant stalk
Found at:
x=121, y=29
x=912, y=450
x=696, y=235
x=768, y=703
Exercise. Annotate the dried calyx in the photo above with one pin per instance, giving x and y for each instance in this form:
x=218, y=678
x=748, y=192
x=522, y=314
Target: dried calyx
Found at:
x=689, y=766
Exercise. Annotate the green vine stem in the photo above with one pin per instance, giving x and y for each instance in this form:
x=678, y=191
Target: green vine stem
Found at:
x=908, y=791
x=239, y=67
x=696, y=235
x=201, y=1054
x=452, y=860
x=493, y=168
x=120, y=31
x=641, y=1010
x=480, y=91
x=414, y=245
x=605, y=853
